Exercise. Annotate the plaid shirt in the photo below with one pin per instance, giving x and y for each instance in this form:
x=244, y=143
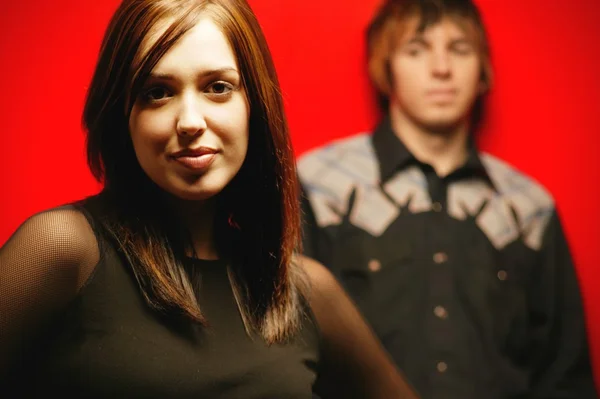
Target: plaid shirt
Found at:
x=466, y=279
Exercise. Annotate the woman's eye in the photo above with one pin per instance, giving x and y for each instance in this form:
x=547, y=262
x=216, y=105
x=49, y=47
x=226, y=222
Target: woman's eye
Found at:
x=220, y=88
x=156, y=94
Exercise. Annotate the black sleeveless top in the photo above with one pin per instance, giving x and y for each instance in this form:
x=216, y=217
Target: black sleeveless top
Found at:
x=107, y=343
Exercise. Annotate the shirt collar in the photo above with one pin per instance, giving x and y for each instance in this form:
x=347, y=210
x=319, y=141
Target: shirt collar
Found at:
x=392, y=155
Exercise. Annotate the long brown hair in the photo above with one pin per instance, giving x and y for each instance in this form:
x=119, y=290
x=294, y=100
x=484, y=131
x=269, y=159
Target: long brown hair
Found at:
x=257, y=225
x=386, y=28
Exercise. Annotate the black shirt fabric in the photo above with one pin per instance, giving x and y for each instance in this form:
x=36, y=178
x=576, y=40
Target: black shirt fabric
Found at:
x=466, y=279
x=103, y=341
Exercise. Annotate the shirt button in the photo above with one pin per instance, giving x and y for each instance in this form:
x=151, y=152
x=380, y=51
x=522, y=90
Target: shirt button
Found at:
x=436, y=206
x=440, y=257
x=502, y=275
x=441, y=312
x=442, y=367
x=374, y=265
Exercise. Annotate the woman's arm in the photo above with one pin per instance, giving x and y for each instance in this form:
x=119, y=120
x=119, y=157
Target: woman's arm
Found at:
x=354, y=363
x=42, y=267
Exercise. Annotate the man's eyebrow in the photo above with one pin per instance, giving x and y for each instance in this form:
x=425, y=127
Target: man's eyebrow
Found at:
x=418, y=39
x=461, y=40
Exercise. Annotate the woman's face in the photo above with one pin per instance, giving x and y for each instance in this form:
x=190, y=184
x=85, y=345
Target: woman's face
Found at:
x=189, y=125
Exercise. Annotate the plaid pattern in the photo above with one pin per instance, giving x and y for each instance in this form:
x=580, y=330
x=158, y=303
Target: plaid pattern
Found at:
x=516, y=208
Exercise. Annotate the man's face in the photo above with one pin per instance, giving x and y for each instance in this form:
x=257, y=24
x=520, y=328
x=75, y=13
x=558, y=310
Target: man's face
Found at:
x=436, y=74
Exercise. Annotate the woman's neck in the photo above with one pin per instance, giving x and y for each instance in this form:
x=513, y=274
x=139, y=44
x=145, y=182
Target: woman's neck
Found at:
x=198, y=218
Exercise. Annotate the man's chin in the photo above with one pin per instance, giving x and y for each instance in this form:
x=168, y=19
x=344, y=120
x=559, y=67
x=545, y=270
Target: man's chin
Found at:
x=443, y=125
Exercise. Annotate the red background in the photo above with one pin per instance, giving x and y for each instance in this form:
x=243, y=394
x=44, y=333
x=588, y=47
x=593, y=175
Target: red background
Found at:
x=542, y=112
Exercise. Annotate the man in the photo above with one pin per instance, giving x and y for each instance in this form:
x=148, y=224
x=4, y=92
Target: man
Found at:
x=457, y=260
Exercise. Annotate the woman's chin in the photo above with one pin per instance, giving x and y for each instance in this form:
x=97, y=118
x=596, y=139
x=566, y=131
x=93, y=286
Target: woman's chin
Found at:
x=199, y=188
x=194, y=195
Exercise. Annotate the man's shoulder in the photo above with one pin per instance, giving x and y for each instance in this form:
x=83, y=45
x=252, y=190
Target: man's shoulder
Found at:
x=329, y=174
x=343, y=150
x=531, y=203
x=516, y=184
x=348, y=159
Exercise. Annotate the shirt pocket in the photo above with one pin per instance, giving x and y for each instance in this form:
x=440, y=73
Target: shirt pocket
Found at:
x=375, y=271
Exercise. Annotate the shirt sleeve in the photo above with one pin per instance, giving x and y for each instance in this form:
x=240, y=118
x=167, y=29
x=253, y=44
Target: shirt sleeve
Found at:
x=562, y=367
x=42, y=267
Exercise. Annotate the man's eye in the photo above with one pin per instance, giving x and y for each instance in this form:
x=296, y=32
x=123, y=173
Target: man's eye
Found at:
x=463, y=49
x=414, y=50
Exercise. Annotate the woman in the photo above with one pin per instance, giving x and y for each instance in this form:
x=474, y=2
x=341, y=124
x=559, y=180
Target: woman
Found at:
x=179, y=279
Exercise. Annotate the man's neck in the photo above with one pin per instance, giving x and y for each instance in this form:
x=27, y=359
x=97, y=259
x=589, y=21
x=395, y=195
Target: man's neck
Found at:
x=445, y=150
